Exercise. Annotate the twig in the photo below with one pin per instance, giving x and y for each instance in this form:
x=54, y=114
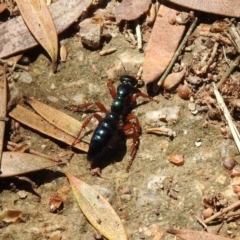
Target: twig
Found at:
x=225, y=56
x=3, y=110
x=227, y=115
x=233, y=214
x=230, y=39
x=131, y=36
x=139, y=36
x=219, y=228
x=235, y=36
x=228, y=72
x=10, y=64
x=139, y=73
x=203, y=224
x=222, y=212
x=210, y=60
x=11, y=146
x=178, y=52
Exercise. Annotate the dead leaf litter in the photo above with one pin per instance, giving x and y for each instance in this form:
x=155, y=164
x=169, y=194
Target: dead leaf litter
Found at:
x=184, y=179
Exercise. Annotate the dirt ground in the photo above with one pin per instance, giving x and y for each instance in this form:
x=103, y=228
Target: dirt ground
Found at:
x=161, y=193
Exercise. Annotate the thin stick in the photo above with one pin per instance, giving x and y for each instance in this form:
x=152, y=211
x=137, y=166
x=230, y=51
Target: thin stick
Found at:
x=210, y=60
x=225, y=56
x=219, y=228
x=12, y=145
x=10, y=64
x=222, y=212
x=229, y=71
x=139, y=36
x=233, y=214
x=3, y=111
x=228, y=117
x=178, y=52
x=203, y=224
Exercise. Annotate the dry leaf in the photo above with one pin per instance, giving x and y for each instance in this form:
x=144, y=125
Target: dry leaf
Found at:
x=17, y=163
x=16, y=37
x=39, y=20
x=57, y=118
x=195, y=235
x=221, y=7
x=162, y=44
x=131, y=9
x=3, y=109
x=97, y=210
x=34, y=121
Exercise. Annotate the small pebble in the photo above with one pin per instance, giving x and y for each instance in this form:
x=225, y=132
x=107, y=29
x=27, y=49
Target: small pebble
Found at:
x=194, y=80
x=177, y=159
x=25, y=77
x=198, y=143
x=53, y=86
x=22, y=194
x=79, y=98
x=90, y=33
x=64, y=98
x=167, y=114
x=155, y=183
x=192, y=106
x=229, y=163
x=184, y=91
x=52, y=99
x=125, y=190
x=43, y=146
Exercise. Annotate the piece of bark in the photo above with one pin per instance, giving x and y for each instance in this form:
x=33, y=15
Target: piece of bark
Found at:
x=131, y=9
x=162, y=44
x=15, y=36
x=221, y=7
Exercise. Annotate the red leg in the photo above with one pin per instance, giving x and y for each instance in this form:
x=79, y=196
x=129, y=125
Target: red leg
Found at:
x=135, y=141
x=79, y=108
x=84, y=107
x=84, y=125
x=131, y=117
x=140, y=94
x=102, y=107
x=112, y=89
